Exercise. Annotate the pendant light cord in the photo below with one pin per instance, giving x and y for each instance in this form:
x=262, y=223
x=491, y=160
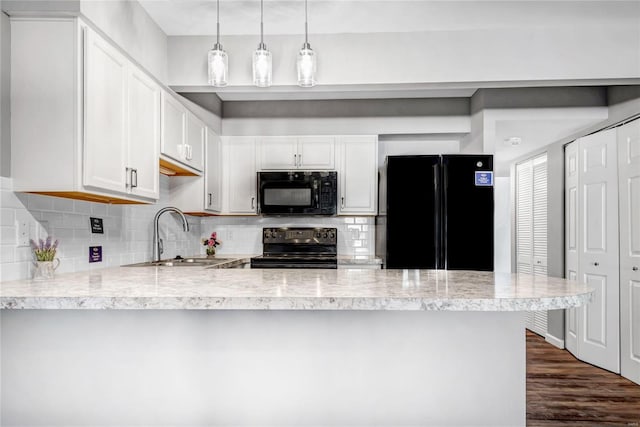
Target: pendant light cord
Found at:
x=306, y=27
x=261, y=24
x=217, y=22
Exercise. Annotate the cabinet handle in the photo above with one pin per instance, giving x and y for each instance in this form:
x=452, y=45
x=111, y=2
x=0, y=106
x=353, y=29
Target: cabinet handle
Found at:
x=253, y=203
x=295, y=160
x=189, y=152
x=342, y=202
x=635, y=268
x=210, y=196
x=538, y=262
x=127, y=177
x=596, y=263
x=134, y=178
x=299, y=160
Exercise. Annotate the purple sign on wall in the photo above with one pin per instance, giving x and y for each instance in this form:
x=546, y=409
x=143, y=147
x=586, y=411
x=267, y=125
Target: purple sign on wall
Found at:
x=95, y=253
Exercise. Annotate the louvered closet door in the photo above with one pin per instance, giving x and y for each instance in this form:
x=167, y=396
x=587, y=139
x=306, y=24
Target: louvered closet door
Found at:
x=539, y=218
x=531, y=228
x=571, y=239
x=524, y=217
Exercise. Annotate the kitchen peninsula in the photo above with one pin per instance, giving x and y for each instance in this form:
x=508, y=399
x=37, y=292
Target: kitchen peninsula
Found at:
x=198, y=346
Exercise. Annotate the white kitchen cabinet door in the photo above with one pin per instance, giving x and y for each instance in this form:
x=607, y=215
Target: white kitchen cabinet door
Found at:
x=213, y=172
x=316, y=152
x=173, y=127
x=358, y=175
x=239, y=171
x=278, y=153
x=143, y=134
x=193, y=151
x=105, y=103
x=571, y=239
x=598, y=322
x=629, y=176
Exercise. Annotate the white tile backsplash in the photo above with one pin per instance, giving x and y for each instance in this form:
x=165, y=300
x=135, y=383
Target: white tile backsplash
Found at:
x=127, y=238
x=129, y=231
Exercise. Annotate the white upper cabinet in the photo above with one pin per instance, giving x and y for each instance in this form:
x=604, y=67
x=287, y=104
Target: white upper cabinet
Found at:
x=182, y=138
x=105, y=103
x=193, y=152
x=100, y=114
x=201, y=195
x=144, y=134
x=213, y=172
x=358, y=175
x=174, y=127
x=290, y=152
x=239, y=175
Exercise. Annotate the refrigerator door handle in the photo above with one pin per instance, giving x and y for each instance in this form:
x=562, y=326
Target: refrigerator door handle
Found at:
x=444, y=207
x=436, y=215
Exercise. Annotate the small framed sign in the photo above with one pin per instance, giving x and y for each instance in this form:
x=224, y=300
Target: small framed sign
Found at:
x=96, y=225
x=95, y=253
x=484, y=179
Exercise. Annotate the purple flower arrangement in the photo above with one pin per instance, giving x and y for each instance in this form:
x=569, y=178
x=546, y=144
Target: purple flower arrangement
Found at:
x=44, y=250
x=211, y=243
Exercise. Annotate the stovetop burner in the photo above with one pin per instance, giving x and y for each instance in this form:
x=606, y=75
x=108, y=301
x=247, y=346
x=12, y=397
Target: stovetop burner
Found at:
x=300, y=247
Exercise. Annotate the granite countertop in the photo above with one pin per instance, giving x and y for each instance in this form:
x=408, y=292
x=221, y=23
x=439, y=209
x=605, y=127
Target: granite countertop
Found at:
x=293, y=289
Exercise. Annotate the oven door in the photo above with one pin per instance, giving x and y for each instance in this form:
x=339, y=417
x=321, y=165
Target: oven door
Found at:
x=283, y=194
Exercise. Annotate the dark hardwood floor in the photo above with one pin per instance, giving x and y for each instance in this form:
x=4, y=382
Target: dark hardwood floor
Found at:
x=563, y=391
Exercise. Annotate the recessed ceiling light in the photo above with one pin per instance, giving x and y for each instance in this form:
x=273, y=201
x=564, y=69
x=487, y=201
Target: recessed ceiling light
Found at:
x=513, y=141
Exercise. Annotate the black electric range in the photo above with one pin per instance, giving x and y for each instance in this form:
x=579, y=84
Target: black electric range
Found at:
x=299, y=247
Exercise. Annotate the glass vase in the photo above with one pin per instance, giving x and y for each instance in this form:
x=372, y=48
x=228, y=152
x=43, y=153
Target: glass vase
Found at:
x=211, y=252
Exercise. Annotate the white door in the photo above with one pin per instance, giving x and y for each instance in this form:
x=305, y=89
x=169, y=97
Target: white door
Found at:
x=173, y=127
x=629, y=175
x=193, y=153
x=213, y=173
x=240, y=175
x=144, y=134
x=571, y=238
x=105, y=102
x=599, y=323
x=358, y=176
x=278, y=153
x=316, y=152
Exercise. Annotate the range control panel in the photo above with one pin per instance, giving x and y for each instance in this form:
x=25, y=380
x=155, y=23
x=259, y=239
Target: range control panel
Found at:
x=302, y=235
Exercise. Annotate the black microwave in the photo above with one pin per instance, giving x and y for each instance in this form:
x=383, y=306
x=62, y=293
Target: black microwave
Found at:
x=298, y=193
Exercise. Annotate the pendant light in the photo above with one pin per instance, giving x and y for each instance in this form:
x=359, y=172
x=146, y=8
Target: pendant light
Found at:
x=262, y=58
x=217, y=58
x=306, y=62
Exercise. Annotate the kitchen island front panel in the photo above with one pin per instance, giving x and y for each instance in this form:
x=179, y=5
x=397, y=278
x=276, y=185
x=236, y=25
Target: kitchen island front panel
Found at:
x=293, y=289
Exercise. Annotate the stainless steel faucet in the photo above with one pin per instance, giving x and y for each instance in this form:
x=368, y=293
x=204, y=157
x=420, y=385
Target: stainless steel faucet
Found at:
x=158, y=248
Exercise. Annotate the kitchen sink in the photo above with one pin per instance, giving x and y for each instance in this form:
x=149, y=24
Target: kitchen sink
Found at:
x=190, y=262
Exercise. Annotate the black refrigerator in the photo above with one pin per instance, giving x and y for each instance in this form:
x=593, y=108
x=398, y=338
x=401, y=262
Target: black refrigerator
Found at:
x=439, y=212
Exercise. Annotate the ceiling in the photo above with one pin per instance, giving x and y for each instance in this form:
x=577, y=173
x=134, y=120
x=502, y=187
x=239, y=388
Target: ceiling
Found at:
x=286, y=17
x=242, y=17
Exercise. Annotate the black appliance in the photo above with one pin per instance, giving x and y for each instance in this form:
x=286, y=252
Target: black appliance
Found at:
x=298, y=193
x=439, y=213
x=300, y=247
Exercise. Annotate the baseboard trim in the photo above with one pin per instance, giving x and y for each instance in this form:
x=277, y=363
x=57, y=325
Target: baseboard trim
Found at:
x=554, y=341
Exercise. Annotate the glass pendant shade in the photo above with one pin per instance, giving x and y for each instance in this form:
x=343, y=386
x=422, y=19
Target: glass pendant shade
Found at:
x=306, y=67
x=218, y=66
x=262, y=67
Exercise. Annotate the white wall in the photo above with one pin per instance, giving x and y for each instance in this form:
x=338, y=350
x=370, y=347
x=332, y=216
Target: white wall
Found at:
x=131, y=28
x=5, y=79
x=573, y=52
